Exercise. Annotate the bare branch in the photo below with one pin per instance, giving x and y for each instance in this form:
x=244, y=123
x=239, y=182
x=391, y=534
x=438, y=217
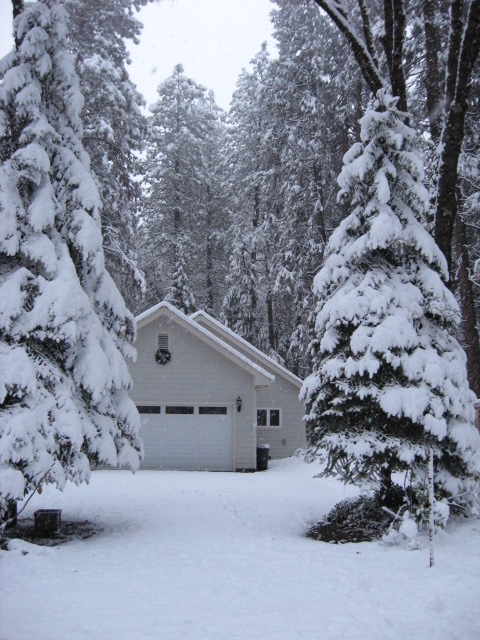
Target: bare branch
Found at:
x=369, y=69
x=367, y=31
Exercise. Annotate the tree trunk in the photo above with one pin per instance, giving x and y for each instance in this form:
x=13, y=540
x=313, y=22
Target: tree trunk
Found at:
x=209, y=253
x=271, y=327
x=434, y=99
x=461, y=61
x=397, y=75
x=10, y=515
x=432, y=74
x=431, y=501
x=385, y=484
x=17, y=7
x=469, y=316
x=358, y=110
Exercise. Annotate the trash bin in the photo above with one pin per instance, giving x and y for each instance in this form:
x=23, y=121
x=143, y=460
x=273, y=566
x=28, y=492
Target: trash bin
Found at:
x=47, y=520
x=262, y=457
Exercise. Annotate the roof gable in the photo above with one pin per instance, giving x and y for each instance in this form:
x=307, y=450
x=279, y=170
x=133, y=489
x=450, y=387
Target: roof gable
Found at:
x=262, y=377
x=269, y=363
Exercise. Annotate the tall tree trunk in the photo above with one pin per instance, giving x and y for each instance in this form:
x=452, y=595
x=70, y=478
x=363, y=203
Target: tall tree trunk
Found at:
x=432, y=74
x=463, y=51
x=209, y=270
x=431, y=502
x=397, y=74
x=469, y=319
x=358, y=109
x=271, y=326
x=392, y=41
x=320, y=216
x=434, y=100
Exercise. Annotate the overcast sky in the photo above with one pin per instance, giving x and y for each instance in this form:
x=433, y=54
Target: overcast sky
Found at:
x=213, y=39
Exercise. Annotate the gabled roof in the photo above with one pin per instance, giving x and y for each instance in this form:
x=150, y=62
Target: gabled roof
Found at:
x=269, y=362
x=262, y=377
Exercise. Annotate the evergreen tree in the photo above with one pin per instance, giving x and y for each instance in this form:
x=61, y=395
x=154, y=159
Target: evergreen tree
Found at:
x=114, y=126
x=317, y=96
x=64, y=329
x=292, y=121
x=240, y=304
x=389, y=381
x=179, y=293
x=184, y=193
x=256, y=186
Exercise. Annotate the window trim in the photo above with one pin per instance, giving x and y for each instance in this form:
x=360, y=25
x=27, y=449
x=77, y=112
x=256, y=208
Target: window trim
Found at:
x=268, y=425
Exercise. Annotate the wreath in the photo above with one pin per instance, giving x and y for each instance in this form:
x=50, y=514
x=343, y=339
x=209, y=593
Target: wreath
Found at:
x=163, y=356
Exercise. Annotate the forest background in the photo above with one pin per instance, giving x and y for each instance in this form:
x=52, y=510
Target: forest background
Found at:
x=231, y=212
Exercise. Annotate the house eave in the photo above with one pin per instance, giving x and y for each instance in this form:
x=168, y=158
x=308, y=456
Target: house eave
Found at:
x=262, y=378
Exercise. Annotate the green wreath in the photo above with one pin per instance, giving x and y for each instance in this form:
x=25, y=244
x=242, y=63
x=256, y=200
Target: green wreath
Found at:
x=163, y=356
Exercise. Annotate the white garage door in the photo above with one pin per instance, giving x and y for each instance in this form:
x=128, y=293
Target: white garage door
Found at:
x=192, y=438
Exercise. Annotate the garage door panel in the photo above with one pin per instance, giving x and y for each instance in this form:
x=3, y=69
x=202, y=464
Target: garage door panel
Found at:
x=188, y=442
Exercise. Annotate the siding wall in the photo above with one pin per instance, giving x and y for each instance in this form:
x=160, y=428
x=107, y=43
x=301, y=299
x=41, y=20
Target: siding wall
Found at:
x=290, y=436
x=283, y=394
x=196, y=373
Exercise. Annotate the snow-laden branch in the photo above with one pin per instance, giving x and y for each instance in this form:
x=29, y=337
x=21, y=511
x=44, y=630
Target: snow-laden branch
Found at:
x=360, y=49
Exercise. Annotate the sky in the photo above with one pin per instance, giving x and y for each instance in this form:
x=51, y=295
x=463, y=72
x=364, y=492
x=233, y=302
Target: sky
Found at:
x=212, y=39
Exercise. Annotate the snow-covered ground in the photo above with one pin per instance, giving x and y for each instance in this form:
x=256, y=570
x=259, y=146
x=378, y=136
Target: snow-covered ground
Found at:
x=223, y=556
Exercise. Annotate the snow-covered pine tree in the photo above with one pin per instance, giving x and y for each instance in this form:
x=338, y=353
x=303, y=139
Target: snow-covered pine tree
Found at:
x=184, y=193
x=240, y=304
x=64, y=329
x=179, y=293
x=255, y=176
x=114, y=127
x=389, y=378
x=313, y=106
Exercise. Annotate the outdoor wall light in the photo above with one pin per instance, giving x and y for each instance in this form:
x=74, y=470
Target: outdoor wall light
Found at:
x=239, y=404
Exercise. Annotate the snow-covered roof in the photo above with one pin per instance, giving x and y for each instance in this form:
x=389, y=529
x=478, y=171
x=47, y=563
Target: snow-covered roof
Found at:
x=262, y=377
x=268, y=361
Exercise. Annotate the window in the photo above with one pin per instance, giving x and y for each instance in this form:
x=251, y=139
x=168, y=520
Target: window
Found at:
x=178, y=410
x=163, y=341
x=261, y=417
x=148, y=408
x=268, y=417
x=212, y=411
x=274, y=417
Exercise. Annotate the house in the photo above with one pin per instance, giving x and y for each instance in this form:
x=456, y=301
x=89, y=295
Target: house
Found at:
x=199, y=394
x=279, y=411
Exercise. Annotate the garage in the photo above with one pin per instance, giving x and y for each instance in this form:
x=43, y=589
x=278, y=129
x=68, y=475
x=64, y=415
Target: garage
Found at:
x=196, y=437
x=196, y=395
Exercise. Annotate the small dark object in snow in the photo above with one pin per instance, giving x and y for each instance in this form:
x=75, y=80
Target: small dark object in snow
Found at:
x=47, y=521
x=359, y=519
x=263, y=451
x=25, y=530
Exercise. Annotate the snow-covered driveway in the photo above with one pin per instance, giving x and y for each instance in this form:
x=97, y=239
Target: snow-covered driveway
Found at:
x=222, y=555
